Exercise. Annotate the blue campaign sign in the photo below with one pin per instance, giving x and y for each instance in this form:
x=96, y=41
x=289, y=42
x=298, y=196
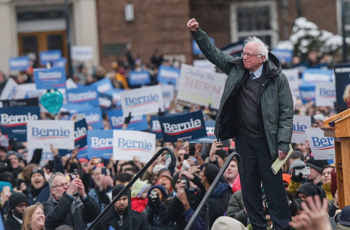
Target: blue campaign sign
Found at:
x=234, y=49
x=13, y=121
x=284, y=55
x=142, y=77
x=100, y=144
x=19, y=63
x=307, y=92
x=155, y=127
x=115, y=93
x=60, y=63
x=116, y=120
x=52, y=78
x=103, y=85
x=209, y=127
x=80, y=134
x=75, y=108
x=195, y=48
x=105, y=100
x=83, y=94
x=93, y=117
x=168, y=75
x=183, y=126
x=49, y=56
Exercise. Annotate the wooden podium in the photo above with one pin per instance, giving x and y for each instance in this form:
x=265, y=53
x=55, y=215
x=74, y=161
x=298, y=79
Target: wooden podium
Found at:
x=338, y=126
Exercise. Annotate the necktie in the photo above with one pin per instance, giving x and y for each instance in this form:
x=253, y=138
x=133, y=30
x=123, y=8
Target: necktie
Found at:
x=252, y=76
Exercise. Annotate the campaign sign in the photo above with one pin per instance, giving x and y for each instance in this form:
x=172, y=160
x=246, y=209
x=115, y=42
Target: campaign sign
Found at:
x=325, y=94
x=75, y=108
x=142, y=101
x=115, y=93
x=49, y=56
x=128, y=144
x=342, y=85
x=116, y=120
x=317, y=75
x=28, y=90
x=234, y=49
x=100, y=144
x=19, y=102
x=19, y=63
x=210, y=138
x=82, y=53
x=204, y=64
x=139, y=78
x=291, y=74
x=322, y=148
x=10, y=89
x=105, y=100
x=13, y=121
x=60, y=63
x=183, y=126
x=195, y=48
x=50, y=78
x=155, y=126
x=103, y=85
x=80, y=133
x=43, y=133
x=93, y=117
x=83, y=94
x=168, y=95
x=300, y=125
x=284, y=55
x=307, y=92
x=168, y=75
x=200, y=87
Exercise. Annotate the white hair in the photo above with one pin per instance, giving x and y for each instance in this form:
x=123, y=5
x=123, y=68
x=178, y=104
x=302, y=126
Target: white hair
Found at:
x=263, y=49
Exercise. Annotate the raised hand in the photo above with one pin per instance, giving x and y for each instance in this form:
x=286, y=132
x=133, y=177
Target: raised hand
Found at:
x=192, y=24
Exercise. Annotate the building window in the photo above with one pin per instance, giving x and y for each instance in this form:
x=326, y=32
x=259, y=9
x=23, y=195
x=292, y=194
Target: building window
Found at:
x=254, y=19
x=346, y=17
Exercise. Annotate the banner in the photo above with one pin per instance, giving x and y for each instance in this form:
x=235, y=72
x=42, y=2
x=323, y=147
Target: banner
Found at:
x=100, y=144
x=201, y=87
x=291, y=74
x=139, y=78
x=300, y=125
x=115, y=93
x=50, y=78
x=61, y=63
x=155, y=127
x=204, y=64
x=317, y=75
x=10, y=90
x=325, y=94
x=19, y=102
x=322, y=148
x=283, y=55
x=75, y=108
x=168, y=92
x=82, y=53
x=28, y=90
x=210, y=138
x=141, y=101
x=105, y=100
x=14, y=121
x=49, y=56
x=128, y=144
x=80, y=133
x=103, y=85
x=43, y=133
x=116, y=120
x=93, y=117
x=19, y=63
x=342, y=85
x=83, y=94
x=307, y=92
x=183, y=126
x=168, y=75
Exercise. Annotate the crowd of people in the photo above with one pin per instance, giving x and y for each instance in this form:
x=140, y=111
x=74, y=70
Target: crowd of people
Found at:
x=68, y=192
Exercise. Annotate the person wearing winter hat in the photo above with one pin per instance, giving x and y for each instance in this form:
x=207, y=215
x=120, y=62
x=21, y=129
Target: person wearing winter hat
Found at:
x=316, y=167
x=17, y=202
x=39, y=189
x=121, y=216
x=227, y=223
x=14, y=159
x=343, y=219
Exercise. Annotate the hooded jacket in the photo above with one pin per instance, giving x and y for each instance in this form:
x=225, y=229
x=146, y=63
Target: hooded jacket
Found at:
x=276, y=102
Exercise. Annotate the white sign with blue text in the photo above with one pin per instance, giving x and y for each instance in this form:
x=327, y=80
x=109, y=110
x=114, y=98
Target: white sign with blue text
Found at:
x=128, y=144
x=317, y=75
x=300, y=125
x=43, y=133
x=325, y=94
x=141, y=101
x=322, y=148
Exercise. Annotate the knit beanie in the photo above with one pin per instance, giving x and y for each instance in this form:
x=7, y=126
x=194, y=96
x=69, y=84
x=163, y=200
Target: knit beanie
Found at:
x=161, y=188
x=210, y=172
x=117, y=189
x=227, y=223
x=318, y=165
x=17, y=198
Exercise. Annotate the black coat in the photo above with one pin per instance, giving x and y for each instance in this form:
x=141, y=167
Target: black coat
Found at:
x=11, y=223
x=218, y=201
x=70, y=211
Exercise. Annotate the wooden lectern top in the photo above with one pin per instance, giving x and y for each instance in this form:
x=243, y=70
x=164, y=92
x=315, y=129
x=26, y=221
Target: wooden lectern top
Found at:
x=338, y=125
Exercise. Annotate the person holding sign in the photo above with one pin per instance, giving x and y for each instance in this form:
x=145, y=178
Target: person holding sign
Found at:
x=256, y=109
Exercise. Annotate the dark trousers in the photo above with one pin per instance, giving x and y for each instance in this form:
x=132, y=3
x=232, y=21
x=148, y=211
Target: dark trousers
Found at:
x=255, y=169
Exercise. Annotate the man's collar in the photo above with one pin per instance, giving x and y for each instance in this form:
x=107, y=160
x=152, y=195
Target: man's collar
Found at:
x=258, y=72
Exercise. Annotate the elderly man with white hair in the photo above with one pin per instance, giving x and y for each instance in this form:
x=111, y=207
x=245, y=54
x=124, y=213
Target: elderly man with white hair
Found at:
x=256, y=109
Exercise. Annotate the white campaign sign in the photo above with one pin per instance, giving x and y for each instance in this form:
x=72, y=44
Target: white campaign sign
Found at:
x=300, y=125
x=128, y=144
x=141, y=101
x=168, y=94
x=59, y=133
x=9, y=90
x=325, y=94
x=291, y=74
x=28, y=90
x=200, y=86
x=322, y=147
x=82, y=53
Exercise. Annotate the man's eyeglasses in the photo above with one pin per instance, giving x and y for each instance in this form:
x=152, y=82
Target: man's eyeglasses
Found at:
x=60, y=185
x=249, y=54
